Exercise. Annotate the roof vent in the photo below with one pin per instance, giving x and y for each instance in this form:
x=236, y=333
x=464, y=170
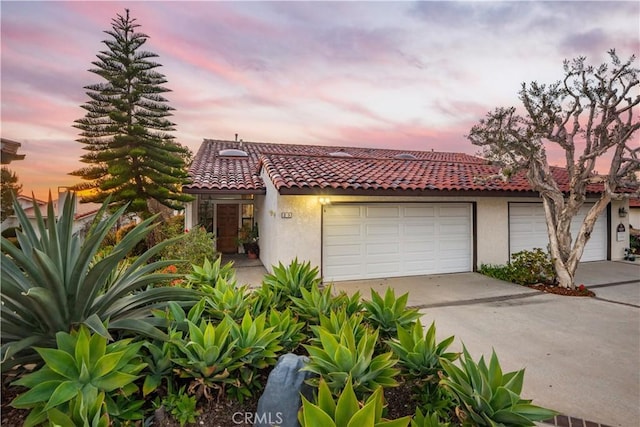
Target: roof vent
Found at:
x=405, y=156
x=340, y=154
x=232, y=152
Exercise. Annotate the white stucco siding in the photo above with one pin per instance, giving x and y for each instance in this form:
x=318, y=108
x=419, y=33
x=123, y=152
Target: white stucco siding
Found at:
x=634, y=217
x=265, y=213
x=492, y=233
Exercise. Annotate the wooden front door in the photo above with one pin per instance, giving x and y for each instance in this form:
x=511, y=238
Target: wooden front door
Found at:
x=227, y=229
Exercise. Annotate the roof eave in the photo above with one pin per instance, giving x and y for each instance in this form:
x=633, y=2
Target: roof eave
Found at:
x=223, y=191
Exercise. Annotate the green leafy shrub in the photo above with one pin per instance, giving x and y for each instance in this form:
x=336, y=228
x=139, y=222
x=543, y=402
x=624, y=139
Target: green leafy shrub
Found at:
x=181, y=406
x=339, y=357
x=530, y=267
x=634, y=243
x=500, y=272
x=389, y=313
x=525, y=268
x=196, y=246
x=487, y=397
x=346, y=411
x=82, y=364
x=52, y=284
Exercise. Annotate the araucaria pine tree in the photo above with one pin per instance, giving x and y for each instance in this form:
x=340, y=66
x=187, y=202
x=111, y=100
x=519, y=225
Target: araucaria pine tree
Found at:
x=131, y=154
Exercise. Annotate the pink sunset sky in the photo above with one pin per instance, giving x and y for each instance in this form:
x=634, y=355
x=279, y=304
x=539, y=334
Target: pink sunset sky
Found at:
x=406, y=75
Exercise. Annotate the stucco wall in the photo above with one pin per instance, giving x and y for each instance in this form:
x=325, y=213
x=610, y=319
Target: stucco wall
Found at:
x=266, y=216
x=283, y=239
x=634, y=217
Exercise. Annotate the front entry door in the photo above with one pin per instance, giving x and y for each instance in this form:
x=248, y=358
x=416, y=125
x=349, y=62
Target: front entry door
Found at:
x=227, y=229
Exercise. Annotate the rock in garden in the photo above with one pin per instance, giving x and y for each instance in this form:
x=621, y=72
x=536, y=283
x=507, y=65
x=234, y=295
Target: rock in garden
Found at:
x=280, y=401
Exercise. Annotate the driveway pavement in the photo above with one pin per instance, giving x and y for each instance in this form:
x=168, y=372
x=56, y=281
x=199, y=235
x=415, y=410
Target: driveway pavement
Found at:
x=582, y=355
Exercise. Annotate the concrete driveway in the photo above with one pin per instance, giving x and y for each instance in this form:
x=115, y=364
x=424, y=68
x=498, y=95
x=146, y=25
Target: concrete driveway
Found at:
x=582, y=355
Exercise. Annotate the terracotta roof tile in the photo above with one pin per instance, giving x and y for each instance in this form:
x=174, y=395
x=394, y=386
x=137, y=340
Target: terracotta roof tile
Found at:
x=312, y=167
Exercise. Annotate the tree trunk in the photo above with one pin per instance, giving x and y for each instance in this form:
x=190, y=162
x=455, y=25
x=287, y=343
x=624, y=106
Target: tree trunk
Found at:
x=564, y=252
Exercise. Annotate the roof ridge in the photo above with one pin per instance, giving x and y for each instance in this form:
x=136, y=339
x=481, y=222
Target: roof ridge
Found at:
x=338, y=147
x=352, y=157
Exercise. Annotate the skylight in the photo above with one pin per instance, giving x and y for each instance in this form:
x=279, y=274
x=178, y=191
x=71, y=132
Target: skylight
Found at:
x=405, y=156
x=232, y=152
x=340, y=154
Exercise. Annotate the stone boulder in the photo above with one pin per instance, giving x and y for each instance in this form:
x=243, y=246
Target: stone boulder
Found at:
x=280, y=401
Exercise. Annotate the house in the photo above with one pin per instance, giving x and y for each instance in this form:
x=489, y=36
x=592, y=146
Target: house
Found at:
x=370, y=213
x=84, y=212
x=10, y=151
x=634, y=213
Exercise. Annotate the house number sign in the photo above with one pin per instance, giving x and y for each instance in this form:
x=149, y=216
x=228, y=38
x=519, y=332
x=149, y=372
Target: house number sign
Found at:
x=621, y=232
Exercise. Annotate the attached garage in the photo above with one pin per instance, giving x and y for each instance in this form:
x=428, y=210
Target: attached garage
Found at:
x=528, y=230
x=365, y=241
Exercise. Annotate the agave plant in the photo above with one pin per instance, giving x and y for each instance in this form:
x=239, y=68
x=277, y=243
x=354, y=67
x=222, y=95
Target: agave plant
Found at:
x=420, y=354
x=427, y=420
x=420, y=358
x=336, y=321
x=487, y=397
x=51, y=282
x=347, y=411
x=260, y=347
x=207, y=355
x=210, y=273
x=340, y=357
x=389, y=313
x=227, y=298
x=82, y=364
x=287, y=282
x=290, y=328
x=315, y=303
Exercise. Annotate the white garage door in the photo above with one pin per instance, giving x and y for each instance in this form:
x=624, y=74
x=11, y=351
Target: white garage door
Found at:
x=528, y=230
x=388, y=240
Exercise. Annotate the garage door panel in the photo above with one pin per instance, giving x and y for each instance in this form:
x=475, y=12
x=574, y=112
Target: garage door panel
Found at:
x=382, y=212
x=387, y=249
x=345, y=250
x=397, y=240
x=342, y=231
x=419, y=212
x=528, y=230
x=382, y=230
x=419, y=231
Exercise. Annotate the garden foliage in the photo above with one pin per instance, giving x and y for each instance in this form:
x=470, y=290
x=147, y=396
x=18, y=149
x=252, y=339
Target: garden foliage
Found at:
x=54, y=282
x=223, y=346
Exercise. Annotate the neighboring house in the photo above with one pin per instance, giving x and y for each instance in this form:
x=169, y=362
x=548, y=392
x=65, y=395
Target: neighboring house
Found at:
x=84, y=214
x=10, y=151
x=371, y=213
x=634, y=213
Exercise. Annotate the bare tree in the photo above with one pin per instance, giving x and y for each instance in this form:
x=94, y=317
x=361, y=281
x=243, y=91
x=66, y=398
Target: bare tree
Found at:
x=590, y=116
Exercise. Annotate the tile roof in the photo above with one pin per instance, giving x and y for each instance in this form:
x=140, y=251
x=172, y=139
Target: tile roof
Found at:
x=311, y=168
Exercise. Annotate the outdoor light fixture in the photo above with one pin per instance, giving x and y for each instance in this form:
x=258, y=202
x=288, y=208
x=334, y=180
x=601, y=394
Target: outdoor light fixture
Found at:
x=622, y=212
x=324, y=200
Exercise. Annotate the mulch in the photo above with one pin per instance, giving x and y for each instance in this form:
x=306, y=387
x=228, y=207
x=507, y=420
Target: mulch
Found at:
x=558, y=290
